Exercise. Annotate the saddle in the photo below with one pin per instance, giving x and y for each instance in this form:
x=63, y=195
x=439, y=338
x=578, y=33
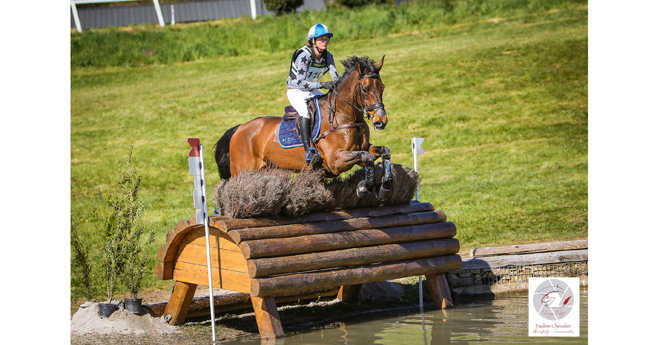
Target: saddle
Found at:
x=291, y=123
x=290, y=114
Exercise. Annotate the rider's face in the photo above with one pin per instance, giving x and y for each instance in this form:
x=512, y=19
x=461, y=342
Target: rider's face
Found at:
x=322, y=42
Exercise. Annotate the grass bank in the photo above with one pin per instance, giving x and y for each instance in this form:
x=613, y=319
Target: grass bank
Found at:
x=501, y=102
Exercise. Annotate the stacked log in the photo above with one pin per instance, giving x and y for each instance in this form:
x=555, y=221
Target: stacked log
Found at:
x=279, y=257
x=284, y=256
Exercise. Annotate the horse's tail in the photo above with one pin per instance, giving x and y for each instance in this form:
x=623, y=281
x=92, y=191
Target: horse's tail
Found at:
x=222, y=153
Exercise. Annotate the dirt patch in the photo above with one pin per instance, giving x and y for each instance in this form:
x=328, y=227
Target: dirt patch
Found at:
x=124, y=327
x=149, y=296
x=495, y=20
x=87, y=321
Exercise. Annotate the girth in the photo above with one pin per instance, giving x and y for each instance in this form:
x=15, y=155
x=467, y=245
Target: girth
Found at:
x=332, y=129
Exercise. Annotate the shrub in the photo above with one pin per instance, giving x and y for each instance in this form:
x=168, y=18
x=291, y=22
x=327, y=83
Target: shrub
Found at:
x=120, y=228
x=81, y=264
x=280, y=7
x=136, y=260
x=359, y=3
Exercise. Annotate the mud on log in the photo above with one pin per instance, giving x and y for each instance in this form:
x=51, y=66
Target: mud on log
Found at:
x=272, y=259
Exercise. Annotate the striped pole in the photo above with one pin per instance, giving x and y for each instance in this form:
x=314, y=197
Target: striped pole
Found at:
x=196, y=168
x=417, y=149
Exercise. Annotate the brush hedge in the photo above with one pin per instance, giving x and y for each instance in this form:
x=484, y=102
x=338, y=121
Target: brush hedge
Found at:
x=275, y=192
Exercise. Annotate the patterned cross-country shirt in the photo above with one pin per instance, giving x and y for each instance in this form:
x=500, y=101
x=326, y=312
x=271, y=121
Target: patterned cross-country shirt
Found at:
x=308, y=71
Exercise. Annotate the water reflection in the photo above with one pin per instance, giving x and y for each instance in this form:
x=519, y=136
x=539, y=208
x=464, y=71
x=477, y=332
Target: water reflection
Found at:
x=483, y=321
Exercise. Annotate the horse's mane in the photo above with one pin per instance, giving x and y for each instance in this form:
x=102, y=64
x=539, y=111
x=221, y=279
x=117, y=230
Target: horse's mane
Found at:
x=368, y=66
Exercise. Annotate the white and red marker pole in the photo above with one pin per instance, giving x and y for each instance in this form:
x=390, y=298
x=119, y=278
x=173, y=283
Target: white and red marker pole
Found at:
x=417, y=150
x=196, y=168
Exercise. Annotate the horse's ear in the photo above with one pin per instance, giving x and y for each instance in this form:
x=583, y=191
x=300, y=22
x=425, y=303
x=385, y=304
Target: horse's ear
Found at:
x=358, y=68
x=380, y=64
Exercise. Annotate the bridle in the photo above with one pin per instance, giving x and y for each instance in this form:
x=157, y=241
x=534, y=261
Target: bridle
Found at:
x=364, y=109
x=358, y=89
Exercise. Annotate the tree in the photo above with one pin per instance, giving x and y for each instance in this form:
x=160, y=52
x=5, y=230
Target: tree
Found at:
x=120, y=217
x=136, y=260
x=280, y=7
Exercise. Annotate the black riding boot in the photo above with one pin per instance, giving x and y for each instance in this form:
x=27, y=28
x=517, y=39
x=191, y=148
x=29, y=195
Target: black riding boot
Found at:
x=311, y=154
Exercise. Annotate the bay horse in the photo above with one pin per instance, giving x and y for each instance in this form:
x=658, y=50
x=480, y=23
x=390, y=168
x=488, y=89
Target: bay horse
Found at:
x=343, y=143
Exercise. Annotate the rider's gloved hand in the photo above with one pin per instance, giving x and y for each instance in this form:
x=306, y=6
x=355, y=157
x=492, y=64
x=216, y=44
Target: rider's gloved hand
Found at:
x=326, y=85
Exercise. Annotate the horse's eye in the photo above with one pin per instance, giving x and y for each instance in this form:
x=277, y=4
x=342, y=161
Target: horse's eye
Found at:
x=364, y=89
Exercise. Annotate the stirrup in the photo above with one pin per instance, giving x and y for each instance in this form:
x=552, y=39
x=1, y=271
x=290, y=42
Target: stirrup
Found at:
x=312, y=155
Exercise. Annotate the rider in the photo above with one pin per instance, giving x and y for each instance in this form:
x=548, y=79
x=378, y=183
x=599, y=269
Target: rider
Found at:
x=308, y=65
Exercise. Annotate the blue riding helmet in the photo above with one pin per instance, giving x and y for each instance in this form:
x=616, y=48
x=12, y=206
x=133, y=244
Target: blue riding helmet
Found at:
x=318, y=30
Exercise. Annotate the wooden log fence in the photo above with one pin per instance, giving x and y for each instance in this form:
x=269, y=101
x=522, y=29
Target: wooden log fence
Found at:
x=530, y=248
x=493, y=270
x=272, y=259
x=528, y=259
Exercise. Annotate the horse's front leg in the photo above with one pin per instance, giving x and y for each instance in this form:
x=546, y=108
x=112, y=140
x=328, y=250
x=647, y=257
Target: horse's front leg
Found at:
x=384, y=189
x=344, y=160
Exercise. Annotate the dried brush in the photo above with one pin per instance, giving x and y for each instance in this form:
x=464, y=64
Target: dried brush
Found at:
x=275, y=192
x=259, y=193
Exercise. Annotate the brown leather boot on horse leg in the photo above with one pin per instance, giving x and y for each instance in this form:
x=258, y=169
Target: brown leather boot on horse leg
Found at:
x=311, y=154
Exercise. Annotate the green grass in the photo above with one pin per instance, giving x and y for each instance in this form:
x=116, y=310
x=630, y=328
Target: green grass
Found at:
x=501, y=102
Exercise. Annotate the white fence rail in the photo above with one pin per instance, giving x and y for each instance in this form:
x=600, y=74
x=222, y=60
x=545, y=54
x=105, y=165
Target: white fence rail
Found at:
x=191, y=11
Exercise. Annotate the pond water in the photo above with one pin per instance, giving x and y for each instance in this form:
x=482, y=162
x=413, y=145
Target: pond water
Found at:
x=502, y=320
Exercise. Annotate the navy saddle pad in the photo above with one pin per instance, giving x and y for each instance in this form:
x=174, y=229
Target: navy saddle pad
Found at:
x=286, y=130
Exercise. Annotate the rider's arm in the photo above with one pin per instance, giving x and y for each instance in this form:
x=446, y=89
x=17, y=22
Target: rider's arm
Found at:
x=332, y=69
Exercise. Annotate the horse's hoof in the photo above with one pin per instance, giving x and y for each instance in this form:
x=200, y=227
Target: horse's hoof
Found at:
x=383, y=193
x=363, y=190
x=387, y=183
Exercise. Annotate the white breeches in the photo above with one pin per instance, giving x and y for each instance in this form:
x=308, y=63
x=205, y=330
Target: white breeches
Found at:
x=298, y=99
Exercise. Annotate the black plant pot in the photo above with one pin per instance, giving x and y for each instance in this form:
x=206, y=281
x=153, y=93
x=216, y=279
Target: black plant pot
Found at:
x=134, y=305
x=106, y=309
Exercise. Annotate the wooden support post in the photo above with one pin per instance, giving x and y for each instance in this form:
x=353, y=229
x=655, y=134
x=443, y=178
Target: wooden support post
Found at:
x=268, y=320
x=439, y=290
x=349, y=293
x=180, y=301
